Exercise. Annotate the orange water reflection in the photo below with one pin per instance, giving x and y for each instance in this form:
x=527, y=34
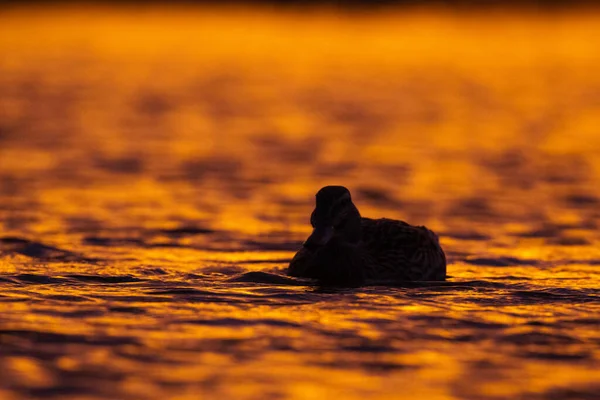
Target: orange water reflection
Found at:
x=153, y=165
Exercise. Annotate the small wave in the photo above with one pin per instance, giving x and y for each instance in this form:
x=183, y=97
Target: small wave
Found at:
x=39, y=250
x=66, y=297
x=456, y=323
x=152, y=271
x=76, y=314
x=239, y=322
x=6, y=280
x=568, y=241
x=104, y=278
x=40, y=279
x=127, y=310
x=181, y=291
x=186, y=231
x=500, y=261
x=557, y=294
x=268, y=278
x=556, y=356
x=221, y=270
x=261, y=261
x=112, y=242
x=13, y=298
x=574, y=392
x=539, y=338
x=55, y=337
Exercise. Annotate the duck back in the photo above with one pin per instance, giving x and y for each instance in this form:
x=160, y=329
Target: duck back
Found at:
x=401, y=251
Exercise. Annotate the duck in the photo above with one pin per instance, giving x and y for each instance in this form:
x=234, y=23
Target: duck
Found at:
x=346, y=249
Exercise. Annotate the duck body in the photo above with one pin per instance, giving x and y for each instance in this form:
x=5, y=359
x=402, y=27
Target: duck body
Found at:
x=336, y=264
x=349, y=250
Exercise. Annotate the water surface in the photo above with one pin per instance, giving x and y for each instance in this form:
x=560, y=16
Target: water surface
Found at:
x=157, y=173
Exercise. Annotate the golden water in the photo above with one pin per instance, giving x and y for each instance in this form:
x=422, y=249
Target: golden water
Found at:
x=157, y=172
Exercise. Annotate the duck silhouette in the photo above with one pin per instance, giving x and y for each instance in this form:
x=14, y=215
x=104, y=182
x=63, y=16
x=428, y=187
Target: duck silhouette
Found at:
x=346, y=249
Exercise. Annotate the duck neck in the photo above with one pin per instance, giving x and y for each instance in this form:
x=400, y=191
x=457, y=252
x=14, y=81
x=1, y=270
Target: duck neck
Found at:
x=350, y=229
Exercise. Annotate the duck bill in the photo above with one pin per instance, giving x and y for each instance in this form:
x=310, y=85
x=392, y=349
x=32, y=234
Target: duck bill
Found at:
x=320, y=236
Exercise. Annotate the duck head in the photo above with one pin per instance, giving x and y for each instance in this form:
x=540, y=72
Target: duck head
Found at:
x=335, y=218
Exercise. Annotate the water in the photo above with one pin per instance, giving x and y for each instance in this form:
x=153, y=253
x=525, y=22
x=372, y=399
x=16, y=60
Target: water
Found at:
x=157, y=173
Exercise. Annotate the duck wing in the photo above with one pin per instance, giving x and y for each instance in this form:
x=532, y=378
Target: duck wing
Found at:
x=335, y=264
x=401, y=251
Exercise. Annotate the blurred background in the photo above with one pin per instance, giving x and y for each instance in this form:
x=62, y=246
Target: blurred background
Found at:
x=458, y=107
x=150, y=152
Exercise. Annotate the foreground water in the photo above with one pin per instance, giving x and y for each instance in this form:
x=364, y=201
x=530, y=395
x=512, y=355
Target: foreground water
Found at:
x=157, y=173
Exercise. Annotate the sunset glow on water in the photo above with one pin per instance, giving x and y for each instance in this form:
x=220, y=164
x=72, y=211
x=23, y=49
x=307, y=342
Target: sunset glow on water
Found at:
x=158, y=171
